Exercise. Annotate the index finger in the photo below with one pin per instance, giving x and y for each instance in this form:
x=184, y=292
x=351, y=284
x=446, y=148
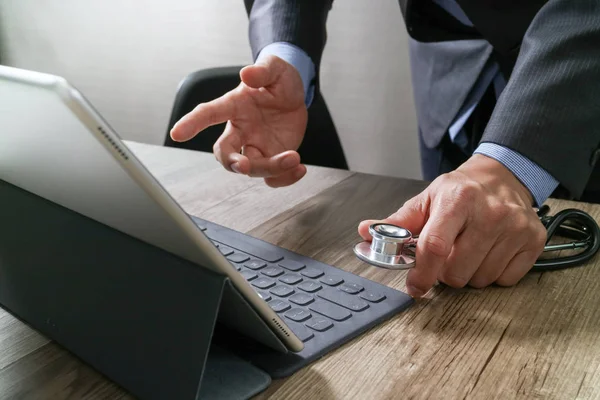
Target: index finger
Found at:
x=433, y=248
x=202, y=116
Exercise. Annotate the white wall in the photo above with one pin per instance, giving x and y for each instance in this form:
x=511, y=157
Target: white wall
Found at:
x=127, y=57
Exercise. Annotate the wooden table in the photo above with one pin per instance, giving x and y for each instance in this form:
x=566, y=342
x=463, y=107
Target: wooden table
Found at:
x=539, y=339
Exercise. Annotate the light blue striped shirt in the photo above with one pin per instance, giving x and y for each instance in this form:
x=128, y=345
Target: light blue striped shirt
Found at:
x=539, y=182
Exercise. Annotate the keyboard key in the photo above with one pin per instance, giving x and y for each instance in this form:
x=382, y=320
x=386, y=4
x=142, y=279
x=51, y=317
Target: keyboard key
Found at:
x=297, y=314
x=355, y=286
x=258, y=252
x=312, y=273
x=372, y=297
x=302, y=299
x=329, y=310
x=282, y=291
x=319, y=324
x=279, y=305
x=249, y=275
x=215, y=243
x=291, y=279
x=349, y=288
x=255, y=264
x=199, y=223
x=238, y=257
x=273, y=271
x=246, y=244
x=309, y=287
x=291, y=265
x=343, y=299
x=331, y=280
x=225, y=250
x=263, y=283
x=264, y=295
x=301, y=331
x=236, y=266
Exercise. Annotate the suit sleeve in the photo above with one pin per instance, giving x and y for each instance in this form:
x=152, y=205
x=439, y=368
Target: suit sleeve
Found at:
x=299, y=22
x=550, y=109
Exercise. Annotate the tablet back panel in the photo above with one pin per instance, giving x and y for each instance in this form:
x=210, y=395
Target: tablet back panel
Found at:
x=139, y=315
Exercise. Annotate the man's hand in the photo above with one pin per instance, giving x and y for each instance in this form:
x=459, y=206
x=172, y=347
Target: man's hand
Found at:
x=266, y=120
x=477, y=227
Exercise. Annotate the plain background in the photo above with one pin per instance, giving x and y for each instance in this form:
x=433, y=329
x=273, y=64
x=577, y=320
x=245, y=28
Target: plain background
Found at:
x=128, y=56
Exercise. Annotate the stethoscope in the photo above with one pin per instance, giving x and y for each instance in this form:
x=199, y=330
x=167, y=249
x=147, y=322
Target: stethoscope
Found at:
x=393, y=247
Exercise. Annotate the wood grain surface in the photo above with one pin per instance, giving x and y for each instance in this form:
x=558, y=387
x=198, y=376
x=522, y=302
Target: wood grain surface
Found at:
x=539, y=339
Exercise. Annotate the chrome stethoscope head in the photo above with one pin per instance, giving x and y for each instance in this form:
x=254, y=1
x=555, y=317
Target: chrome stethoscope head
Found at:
x=392, y=247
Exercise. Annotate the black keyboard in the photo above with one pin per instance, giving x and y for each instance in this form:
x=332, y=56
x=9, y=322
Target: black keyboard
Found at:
x=315, y=299
x=306, y=295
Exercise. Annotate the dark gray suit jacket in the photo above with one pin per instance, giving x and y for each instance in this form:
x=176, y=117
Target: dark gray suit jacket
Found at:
x=550, y=109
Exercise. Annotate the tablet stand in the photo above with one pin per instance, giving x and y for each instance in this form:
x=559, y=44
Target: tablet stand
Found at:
x=139, y=315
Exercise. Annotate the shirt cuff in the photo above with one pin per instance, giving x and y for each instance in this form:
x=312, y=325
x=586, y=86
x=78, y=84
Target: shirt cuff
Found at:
x=539, y=182
x=297, y=57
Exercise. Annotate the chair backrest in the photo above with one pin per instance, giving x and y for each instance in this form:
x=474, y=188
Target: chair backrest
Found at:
x=321, y=145
x=201, y=87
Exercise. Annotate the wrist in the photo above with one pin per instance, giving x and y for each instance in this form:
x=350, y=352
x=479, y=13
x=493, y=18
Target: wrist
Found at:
x=298, y=59
x=495, y=177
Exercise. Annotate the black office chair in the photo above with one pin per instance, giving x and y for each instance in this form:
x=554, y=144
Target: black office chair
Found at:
x=321, y=145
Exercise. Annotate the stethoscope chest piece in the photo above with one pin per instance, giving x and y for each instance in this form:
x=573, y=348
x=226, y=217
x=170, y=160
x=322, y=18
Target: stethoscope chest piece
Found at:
x=392, y=247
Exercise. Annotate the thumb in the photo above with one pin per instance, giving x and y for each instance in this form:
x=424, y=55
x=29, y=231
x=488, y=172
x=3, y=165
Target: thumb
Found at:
x=412, y=216
x=264, y=72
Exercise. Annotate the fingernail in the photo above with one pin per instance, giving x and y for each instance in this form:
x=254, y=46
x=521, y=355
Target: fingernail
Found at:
x=414, y=292
x=288, y=162
x=236, y=167
x=174, y=138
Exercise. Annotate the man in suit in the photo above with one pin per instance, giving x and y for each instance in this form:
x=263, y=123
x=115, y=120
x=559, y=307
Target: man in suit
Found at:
x=508, y=106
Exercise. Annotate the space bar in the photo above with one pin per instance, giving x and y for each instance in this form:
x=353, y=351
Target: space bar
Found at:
x=244, y=243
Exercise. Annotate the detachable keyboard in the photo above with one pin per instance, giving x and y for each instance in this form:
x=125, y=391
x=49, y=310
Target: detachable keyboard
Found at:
x=323, y=305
